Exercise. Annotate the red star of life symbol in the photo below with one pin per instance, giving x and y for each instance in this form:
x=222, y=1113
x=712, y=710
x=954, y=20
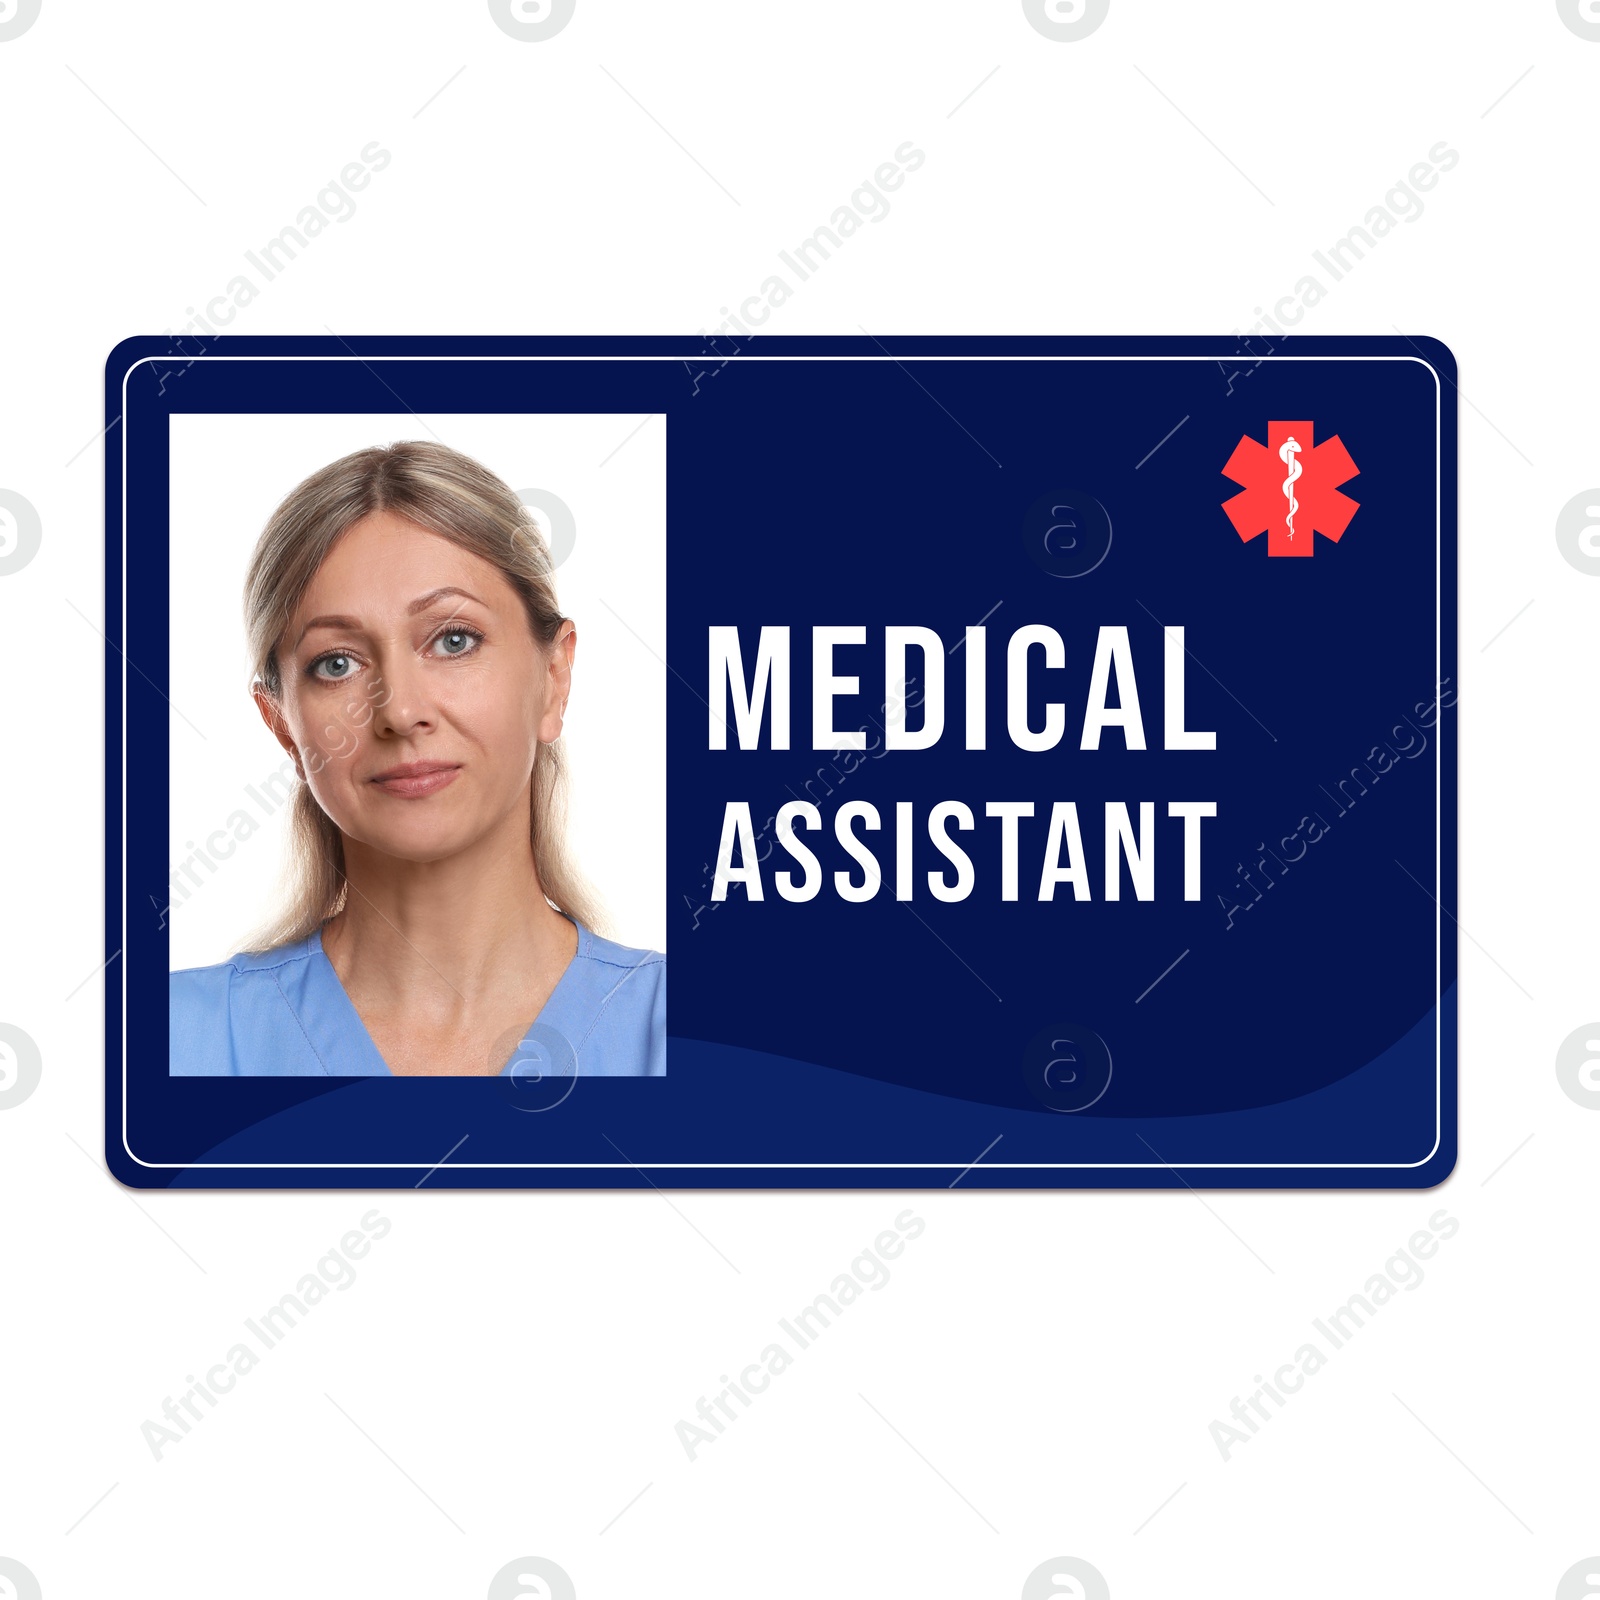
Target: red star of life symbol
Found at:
x=1291, y=488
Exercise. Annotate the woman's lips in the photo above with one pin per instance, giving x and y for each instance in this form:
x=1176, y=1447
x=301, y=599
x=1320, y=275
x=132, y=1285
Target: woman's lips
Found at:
x=416, y=779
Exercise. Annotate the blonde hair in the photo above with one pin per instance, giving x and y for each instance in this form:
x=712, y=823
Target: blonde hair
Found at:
x=452, y=496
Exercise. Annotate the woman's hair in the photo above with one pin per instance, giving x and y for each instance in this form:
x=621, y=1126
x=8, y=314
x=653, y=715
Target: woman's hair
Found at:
x=452, y=496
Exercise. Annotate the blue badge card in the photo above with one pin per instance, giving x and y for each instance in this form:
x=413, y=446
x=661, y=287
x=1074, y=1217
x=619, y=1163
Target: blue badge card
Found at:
x=1059, y=776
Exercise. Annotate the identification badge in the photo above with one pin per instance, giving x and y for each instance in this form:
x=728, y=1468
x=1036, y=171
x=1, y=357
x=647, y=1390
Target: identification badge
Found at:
x=1060, y=754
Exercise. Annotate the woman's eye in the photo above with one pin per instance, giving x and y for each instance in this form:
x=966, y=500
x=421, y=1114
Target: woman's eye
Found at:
x=456, y=642
x=333, y=668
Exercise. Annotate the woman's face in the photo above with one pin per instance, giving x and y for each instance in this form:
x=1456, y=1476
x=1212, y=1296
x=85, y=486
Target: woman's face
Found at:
x=414, y=696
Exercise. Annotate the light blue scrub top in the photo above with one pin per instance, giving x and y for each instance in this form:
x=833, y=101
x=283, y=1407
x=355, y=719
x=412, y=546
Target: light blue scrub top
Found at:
x=284, y=1013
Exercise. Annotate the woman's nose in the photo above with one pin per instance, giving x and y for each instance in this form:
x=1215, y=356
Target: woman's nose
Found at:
x=403, y=703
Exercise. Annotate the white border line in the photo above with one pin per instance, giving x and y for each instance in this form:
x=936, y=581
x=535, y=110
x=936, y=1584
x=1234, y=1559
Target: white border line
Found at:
x=826, y=1166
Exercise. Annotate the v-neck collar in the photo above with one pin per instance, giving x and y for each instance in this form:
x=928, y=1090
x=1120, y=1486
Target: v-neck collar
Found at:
x=561, y=1012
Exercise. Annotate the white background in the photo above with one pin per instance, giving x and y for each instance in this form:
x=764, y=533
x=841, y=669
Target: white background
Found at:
x=1049, y=1363
x=228, y=474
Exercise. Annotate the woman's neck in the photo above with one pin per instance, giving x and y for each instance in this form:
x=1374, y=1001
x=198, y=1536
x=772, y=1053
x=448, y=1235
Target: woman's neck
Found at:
x=446, y=937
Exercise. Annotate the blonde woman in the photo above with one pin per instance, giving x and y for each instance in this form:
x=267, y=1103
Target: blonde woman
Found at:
x=411, y=658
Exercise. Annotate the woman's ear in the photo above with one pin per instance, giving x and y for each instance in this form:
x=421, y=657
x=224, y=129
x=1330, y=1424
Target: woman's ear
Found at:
x=272, y=715
x=558, y=683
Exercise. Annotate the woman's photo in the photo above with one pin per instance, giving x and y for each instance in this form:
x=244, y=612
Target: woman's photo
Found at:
x=410, y=657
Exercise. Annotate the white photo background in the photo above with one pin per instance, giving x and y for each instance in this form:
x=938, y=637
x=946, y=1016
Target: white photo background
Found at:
x=230, y=780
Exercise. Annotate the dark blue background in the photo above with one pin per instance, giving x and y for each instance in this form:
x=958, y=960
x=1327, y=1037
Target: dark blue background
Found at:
x=880, y=1042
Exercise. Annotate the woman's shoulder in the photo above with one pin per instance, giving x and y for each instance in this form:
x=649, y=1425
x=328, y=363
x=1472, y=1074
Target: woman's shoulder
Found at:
x=200, y=982
x=209, y=1008
x=618, y=1008
x=592, y=947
